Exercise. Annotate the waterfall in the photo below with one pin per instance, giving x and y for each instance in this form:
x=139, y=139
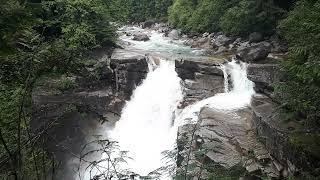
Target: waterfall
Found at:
x=238, y=97
x=146, y=120
x=146, y=127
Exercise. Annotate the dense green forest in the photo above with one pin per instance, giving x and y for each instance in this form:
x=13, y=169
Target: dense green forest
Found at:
x=40, y=37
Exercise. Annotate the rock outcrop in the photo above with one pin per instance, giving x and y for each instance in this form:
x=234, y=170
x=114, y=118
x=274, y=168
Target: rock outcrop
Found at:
x=130, y=68
x=202, y=78
x=140, y=37
x=222, y=40
x=73, y=114
x=264, y=76
x=275, y=133
x=227, y=141
x=174, y=34
x=254, y=52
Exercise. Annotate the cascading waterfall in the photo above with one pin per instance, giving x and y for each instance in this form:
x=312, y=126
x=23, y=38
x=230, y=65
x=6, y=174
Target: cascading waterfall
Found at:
x=238, y=97
x=145, y=128
x=146, y=120
x=149, y=121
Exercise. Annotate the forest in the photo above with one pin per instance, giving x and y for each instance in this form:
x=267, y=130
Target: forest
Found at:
x=55, y=38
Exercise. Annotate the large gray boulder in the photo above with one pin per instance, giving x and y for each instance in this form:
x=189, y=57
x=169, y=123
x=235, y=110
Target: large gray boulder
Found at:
x=276, y=135
x=222, y=40
x=140, y=37
x=174, y=34
x=225, y=139
x=201, y=78
x=203, y=43
x=255, y=52
x=264, y=76
x=130, y=69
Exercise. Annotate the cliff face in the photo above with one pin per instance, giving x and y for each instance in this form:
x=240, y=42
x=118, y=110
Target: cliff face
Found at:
x=202, y=78
x=73, y=115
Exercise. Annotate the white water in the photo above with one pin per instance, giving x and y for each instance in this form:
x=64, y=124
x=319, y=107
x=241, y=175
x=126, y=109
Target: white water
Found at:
x=146, y=126
x=146, y=120
x=159, y=44
x=239, y=97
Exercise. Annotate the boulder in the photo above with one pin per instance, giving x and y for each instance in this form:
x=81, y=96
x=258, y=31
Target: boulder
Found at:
x=130, y=69
x=186, y=68
x=255, y=37
x=264, y=76
x=226, y=139
x=222, y=40
x=201, y=79
x=203, y=43
x=174, y=34
x=255, y=52
x=275, y=135
x=140, y=37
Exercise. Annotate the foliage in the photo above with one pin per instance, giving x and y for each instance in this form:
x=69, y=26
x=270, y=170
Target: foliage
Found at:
x=300, y=93
x=38, y=38
x=180, y=12
x=235, y=17
x=207, y=15
x=142, y=10
x=251, y=16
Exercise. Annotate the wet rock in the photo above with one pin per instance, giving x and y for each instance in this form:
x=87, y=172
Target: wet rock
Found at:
x=222, y=40
x=130, y=69
x=275, y=136
x=255, y=52
x=201, y=78
x=264, y=76
x=122, y=44
x=226, y=139
x=174, y=34
x=140, y=37
x=203, y=43
x=255, y=37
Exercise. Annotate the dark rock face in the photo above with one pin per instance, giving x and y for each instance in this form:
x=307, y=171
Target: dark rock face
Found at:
x=278, y=45
x=74, y=115
x=130, y=69
x=226, y=139
x=264, y=76
x=140, y=37
x=275, y=134
x=202, y=79
x=254, y=52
